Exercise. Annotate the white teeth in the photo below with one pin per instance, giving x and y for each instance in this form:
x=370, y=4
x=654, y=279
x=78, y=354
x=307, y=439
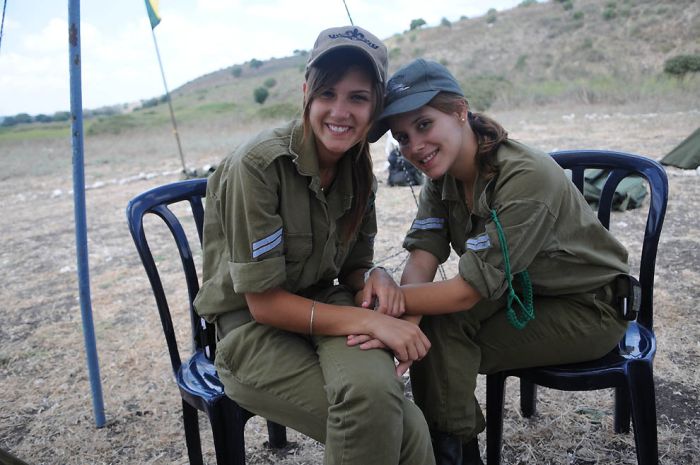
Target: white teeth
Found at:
x=338, y=129
x=428, y=158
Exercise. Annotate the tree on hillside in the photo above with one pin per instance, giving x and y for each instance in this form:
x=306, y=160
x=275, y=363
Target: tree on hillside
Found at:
x=682, y=64
x=260, y=95
x=417, y=23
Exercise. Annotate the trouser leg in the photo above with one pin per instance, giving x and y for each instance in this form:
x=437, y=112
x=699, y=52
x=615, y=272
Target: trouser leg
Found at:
x=347, y=398
x=565, y=330
x=369, y=419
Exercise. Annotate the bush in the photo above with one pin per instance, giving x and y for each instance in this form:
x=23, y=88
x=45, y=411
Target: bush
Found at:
x=417, y=24
x=270, y=82
x=236, y=71
x=255, y=64
x=482, y=91
x=491, y=16
x=682, y=64
x=260, y=95
x=61, y=116
x=8, y=121
x=41, y=118
x=23, y=118
x=527, y=2
x=609, y=13
x=578, y=15
x=151, y=102
x=567, y=5
x=445, y=22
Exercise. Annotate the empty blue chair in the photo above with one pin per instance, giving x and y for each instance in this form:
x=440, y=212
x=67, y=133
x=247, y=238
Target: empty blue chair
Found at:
x=627, y=368
x=200, y=387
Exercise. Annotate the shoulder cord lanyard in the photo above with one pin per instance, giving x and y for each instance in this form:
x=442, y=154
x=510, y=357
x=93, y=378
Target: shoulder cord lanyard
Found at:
x=528, y=309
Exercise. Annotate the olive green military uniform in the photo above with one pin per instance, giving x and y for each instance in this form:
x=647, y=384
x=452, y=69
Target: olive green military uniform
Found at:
x=571, y=259
x=268, y=224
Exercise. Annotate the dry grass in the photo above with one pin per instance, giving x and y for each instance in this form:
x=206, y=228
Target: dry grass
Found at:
x=45, y=409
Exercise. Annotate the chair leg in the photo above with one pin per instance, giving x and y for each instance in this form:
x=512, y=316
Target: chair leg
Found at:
x=495, y=395
x=190, y=419
x=528, y=398
x=622, y=410
x=277, y=435
x=228, y=428
x=643, y=400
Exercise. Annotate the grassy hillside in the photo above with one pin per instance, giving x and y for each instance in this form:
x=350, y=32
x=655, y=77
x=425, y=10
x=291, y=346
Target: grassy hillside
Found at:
x=557, y=52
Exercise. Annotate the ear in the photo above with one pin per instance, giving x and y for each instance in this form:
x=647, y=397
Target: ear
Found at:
x=303, y=89
x=462, y=113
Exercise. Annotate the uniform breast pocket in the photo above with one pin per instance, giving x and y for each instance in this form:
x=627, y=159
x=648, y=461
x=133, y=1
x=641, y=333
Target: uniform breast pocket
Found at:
x=297, y=246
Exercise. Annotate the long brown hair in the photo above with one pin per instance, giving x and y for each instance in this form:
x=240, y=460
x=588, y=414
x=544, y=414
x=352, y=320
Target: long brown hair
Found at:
x=322, y=76
x=489, y=133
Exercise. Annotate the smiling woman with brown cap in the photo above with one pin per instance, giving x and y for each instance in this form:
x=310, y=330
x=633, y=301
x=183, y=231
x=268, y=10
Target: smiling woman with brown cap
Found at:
x=508, y=211
x=288, y=240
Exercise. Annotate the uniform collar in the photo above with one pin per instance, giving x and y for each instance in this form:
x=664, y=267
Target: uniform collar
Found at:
x=451, y=191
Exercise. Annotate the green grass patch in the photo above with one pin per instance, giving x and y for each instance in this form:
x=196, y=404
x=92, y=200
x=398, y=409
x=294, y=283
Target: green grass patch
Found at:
x=216, y=108
x=278, y=111
x=35, y=131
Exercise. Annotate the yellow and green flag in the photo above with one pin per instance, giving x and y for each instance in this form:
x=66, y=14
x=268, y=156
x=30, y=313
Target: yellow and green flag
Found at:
x=153, y=16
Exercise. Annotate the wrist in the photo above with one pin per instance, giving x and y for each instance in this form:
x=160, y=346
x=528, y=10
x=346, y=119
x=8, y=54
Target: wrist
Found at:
x=369, y=272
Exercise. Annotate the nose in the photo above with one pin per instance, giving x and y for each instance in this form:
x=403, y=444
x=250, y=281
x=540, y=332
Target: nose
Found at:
x=340, y=109
x=415, y=147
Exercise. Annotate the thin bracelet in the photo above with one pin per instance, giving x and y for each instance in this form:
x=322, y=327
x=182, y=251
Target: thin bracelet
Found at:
x=311, y=320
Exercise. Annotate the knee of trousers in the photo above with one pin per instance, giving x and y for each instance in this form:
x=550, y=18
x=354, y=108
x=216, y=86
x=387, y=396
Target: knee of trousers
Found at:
x=367, y=396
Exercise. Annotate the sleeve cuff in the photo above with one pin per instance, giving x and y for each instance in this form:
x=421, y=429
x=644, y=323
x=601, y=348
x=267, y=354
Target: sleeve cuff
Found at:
x=257, y=276
x=436, y=246
x=485, y=278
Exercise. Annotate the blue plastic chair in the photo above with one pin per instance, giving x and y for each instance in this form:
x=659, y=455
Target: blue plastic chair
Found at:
x=196, y=377
x=627, y=368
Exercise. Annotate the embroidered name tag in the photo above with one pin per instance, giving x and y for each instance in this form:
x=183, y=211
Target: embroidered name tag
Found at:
x=480, y=242
x=266, y=244
x=429, y=223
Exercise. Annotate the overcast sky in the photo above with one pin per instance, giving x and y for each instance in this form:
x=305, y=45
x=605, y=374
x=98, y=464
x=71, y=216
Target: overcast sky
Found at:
x=195, y=37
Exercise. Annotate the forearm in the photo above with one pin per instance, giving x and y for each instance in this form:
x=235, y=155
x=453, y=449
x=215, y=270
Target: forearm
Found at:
x=284, y=310
x=435, y=298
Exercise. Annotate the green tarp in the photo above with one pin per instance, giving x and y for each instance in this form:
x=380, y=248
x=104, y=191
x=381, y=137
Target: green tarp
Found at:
x=687, y=154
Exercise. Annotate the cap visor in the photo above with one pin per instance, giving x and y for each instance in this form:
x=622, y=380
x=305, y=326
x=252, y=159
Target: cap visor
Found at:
x=403, y=105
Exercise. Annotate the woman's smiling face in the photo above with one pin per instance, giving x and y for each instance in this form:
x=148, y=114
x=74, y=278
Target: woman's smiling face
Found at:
x=430, y=139
x=340, y=116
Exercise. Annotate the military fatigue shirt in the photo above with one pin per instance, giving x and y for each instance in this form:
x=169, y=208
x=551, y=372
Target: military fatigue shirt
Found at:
x=268, y=224
x=550, y=229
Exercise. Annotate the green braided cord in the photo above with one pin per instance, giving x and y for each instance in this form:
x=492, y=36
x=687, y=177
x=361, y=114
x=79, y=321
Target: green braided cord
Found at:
x=528, y=309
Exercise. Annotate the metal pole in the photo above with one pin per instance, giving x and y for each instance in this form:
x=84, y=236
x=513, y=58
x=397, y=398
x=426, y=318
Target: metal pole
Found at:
x=170, y=105
x=76, y=106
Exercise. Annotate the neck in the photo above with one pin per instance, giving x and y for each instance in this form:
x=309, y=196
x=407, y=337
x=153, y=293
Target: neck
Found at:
x=464, y=168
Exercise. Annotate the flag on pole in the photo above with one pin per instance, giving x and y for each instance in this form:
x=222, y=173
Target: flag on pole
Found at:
x=153, y=16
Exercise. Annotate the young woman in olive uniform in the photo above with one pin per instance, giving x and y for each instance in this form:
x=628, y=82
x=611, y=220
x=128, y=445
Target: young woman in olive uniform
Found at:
x=288, y=240
x=502, y=206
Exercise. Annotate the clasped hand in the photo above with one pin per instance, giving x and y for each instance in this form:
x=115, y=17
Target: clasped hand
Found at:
x=403, y=338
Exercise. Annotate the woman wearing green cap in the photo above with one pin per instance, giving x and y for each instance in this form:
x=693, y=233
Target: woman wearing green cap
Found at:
x=507, y=210
x=288, y=240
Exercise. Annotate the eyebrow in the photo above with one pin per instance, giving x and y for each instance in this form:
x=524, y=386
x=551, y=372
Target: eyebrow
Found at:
x=418, y=116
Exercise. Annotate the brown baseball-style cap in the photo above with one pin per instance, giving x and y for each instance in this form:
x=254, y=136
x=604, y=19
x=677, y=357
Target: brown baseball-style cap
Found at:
x=337, y=38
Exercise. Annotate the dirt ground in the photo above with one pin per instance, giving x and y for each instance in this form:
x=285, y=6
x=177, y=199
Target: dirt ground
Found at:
x=46, y=412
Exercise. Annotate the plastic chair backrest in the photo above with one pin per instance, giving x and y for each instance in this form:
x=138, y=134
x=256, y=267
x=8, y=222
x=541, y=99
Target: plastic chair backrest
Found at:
x=158, y=201
x=622, y=165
